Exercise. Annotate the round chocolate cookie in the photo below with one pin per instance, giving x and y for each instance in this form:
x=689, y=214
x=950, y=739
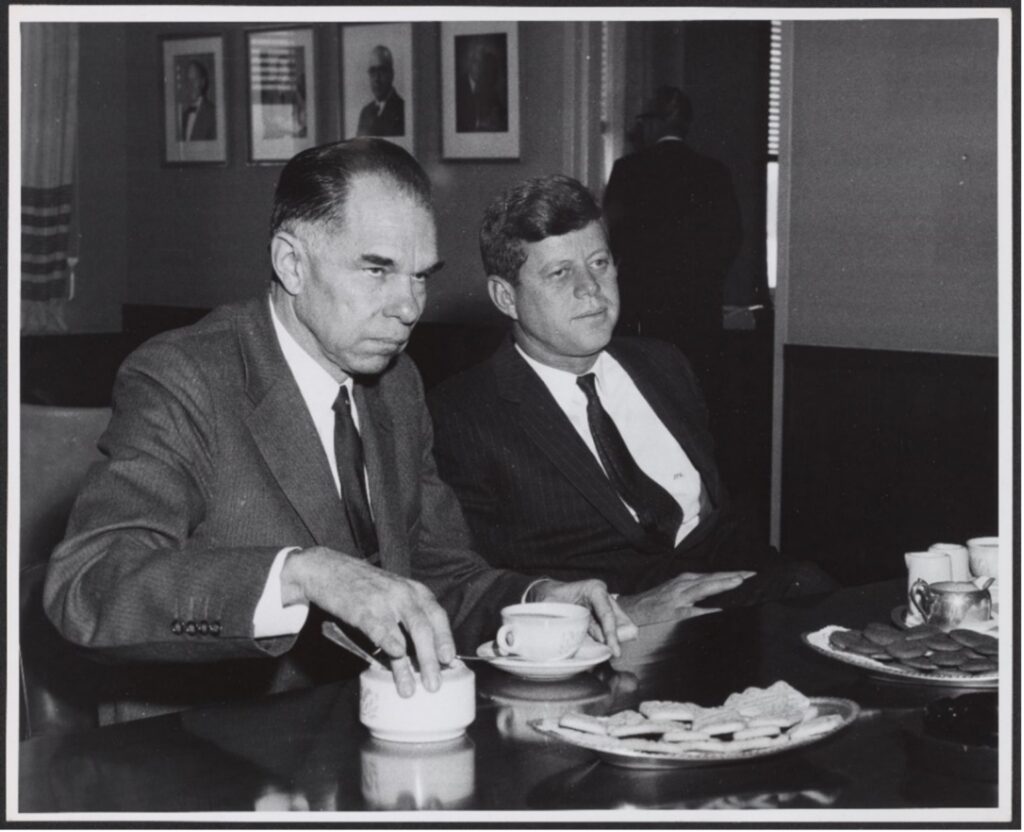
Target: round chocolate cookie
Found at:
x=979, y=666
x=981, y=642
x=907, y=649
x=942, y=642
x=920, y=631
x=953, y=659
x=881, y=634
x=922, y=664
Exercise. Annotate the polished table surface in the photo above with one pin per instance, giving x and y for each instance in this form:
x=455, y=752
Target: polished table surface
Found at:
x=307, y=751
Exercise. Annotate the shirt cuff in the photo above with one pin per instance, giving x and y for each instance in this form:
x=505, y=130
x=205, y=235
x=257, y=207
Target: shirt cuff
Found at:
x=529, y=586
x=271, y=618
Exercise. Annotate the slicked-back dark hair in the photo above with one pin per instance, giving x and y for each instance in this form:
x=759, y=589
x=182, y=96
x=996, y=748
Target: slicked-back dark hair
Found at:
x=547, y=206
x=314, y=185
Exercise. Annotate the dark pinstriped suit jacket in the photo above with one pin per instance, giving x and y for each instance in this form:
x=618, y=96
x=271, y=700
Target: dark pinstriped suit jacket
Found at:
x=213, y=465
x=536, y=498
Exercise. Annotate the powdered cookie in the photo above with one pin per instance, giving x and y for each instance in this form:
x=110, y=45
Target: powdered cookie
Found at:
x=813, y=727
x=649, y=727
x=584, y=722
x=728, y=726
x=754, y=733
x=685, y=736
x=676, y=711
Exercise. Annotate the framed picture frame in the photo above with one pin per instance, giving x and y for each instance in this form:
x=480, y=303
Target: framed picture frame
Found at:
x=376, y=75
x=195, y=103
x=281, y=73
x=480, y=90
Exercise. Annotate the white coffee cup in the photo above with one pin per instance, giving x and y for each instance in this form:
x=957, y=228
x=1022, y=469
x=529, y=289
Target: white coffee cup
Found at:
x=958, y=559
x=983, y=556
x=542, y=632
x=930, y=567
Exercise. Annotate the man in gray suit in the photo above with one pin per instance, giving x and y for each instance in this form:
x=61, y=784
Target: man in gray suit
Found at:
x=272, y=466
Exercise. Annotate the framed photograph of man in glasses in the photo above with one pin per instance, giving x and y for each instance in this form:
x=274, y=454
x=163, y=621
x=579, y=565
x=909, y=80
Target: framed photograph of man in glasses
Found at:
x=376, y=76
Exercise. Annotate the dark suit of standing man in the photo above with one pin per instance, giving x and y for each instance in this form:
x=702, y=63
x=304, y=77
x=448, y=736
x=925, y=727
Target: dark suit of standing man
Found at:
x=271, y=466
x=534, y=463
x=674, y=226
x=385, y=115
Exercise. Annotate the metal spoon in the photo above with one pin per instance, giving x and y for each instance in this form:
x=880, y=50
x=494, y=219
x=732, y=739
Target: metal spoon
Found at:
x=988, y=583
x=332, y=632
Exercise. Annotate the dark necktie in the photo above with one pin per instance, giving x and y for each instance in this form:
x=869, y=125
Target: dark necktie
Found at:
x=348, y=451
x=656, y=510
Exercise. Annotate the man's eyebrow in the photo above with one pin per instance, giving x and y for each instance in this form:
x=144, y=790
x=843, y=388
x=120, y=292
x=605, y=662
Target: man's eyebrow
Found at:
x=376, y=260
x=432, y=269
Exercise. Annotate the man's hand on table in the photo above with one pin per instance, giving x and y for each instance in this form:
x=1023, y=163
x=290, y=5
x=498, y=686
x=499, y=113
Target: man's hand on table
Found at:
x=674, y=600
x=608, y=621
x=380, y=604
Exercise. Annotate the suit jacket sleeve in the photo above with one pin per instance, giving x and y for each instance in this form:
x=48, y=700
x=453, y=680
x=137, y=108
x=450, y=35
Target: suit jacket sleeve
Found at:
x=130, y=564
x=470, y=590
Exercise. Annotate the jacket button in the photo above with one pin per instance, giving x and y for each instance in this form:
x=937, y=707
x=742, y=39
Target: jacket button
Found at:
x=215, y=628
x=176, y=627
x=204, y=628
x=190, y=628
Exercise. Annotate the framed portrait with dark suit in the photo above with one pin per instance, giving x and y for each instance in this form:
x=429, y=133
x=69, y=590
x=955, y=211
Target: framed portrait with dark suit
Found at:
x=282, y=93
x=195, y=111
x=376, y=82
x=480, y=90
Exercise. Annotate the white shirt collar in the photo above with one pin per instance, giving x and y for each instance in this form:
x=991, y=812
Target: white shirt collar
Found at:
x=317, y=386
x=562, y=383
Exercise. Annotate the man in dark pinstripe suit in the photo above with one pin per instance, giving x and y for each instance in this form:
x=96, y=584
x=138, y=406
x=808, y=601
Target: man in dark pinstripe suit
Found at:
x=515, y=436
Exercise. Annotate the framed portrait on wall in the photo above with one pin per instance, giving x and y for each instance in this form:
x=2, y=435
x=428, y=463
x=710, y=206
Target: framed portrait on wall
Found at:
x=195, y=111
x=282, y=93
x=480, y=90
x=376, y=77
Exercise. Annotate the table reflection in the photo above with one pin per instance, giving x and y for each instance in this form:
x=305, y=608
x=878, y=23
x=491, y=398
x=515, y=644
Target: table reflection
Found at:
x=399, y=776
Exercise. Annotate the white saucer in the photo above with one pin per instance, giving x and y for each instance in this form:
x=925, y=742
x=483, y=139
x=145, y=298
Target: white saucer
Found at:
x=591, y=654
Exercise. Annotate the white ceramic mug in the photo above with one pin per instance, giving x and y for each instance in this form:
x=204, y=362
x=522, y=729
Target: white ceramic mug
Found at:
x=542, y=632
x=958, y=559
x=930, y=567
x=983, y=555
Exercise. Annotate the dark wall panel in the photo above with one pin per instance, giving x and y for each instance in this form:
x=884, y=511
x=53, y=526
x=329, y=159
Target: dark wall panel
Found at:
x=884, y=453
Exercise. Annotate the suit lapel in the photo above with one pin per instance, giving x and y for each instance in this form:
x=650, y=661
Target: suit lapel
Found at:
x=657, y=393
x=376, y=431
x=549, y=428
x=284, y=432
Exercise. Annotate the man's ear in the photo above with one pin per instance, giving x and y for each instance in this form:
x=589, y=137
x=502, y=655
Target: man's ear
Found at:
x=503, y=295
x=286, y=255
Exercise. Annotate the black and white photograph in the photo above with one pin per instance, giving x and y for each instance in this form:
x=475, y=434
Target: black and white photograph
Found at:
x=194, y=100
x=628, y=442
x=282, y=93
x=480, y=88
x=377, y=81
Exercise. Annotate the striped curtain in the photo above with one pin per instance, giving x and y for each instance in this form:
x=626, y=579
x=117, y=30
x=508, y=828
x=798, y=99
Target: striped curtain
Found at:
x=49, y=127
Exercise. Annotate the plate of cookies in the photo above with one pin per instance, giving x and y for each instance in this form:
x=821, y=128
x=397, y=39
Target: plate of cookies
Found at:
x=758, y=722
x=922, y=654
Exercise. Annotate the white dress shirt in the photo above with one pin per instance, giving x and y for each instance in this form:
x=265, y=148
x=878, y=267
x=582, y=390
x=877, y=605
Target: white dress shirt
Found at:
x=319, y=391
x=650, y=443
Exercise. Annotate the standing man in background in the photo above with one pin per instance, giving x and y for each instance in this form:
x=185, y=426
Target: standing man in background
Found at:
x=674, y=226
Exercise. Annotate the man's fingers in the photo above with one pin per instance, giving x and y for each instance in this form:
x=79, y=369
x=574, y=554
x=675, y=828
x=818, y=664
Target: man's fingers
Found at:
x=422, y=635
x=601, y=607
x=405, y=681
x=444, y=642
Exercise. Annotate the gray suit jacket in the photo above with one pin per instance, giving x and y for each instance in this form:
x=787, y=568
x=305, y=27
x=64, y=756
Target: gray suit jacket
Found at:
x=213, y=465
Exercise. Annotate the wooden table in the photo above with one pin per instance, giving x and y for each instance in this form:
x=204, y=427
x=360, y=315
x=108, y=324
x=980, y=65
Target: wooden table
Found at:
x=307, y=751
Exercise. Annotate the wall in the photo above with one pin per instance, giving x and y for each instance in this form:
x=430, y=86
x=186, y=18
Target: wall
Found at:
x=886, y=421
x=197, y=234
x=892, y=232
